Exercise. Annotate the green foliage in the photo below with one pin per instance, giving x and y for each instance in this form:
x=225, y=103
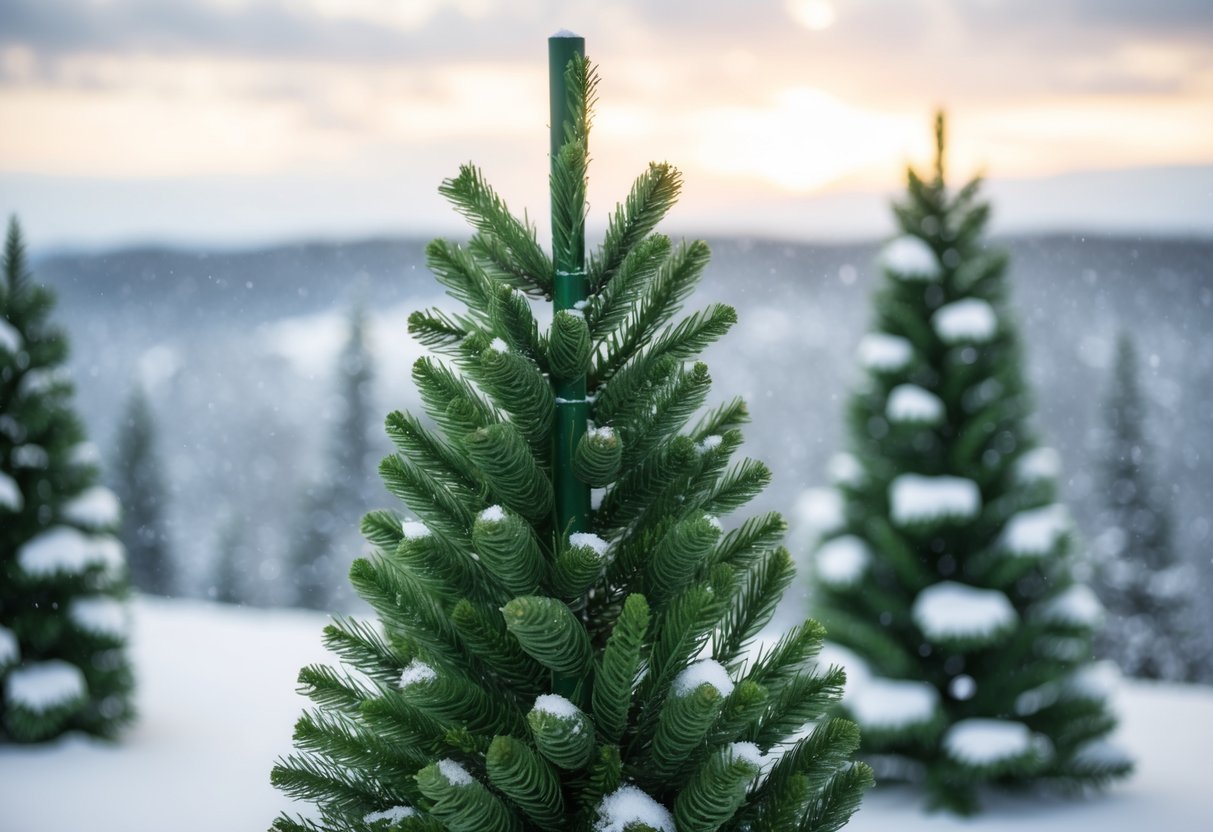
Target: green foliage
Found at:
x=538, y=670
x=954, y=507
x=63, y=580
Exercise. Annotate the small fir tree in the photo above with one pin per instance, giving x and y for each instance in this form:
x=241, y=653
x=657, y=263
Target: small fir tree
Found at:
x=139, y=484
x=947, y=576
x=320, y=554
x=63, y=662
x=547, y=661
x=1148, y=592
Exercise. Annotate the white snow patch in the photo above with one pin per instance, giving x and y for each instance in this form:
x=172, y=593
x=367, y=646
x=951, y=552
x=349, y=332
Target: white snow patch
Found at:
x=747, y=751
x=891, y=704
x=714, y=522
x=951, y=610
x=883, y=352
x=710, y=443
x=1097, y=680
x=30, y=456
x=498, y=345
x=842, y=560
x=971, y=319
x=589, y=541
x=10, y=651
x=917, y=499
x=556, y=705
x=567, y=33
x=413, y=530
x=492, y=514
x=844, y=469
x=1036, y=532
x=629, y=805
x=85, y=453
x=395, y=813
x=100, y=616
x=10, y=338
x=820, y=510
x=42, y=686
x=64, y=549
x=1076, y=605
x=1102, y=753
x=10, y=494
x=39, y=381
x=703, y=672
x=1038, y=464
x=911, y=403
x=910, y=258
x=606, y=433
x=984, y=741
x=454, y=773
x=94, y=508
x=416, y=673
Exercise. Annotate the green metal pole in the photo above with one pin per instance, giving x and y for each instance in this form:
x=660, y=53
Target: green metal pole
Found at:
x=570, y=287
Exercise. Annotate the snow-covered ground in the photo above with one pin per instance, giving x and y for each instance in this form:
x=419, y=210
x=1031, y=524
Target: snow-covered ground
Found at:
x=217, y=704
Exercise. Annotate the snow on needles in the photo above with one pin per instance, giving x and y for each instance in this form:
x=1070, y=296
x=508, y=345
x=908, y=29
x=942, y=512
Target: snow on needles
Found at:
x=10, y=338
x=589, y=541
x=892, y=704
x=556, y=705
x=94, y=508
x=884, y=353
x=10, y=494
x=64, y=549
x=1038, y=464
x=703, y=672
x=918, y=499
x=911, y=403
x=821, y=510
x=394, y=814
x=454, y=773
x=1036, y=532
x=416, y=673
x=629, y=805
x=413, y=530
x=99, y=616
x=1076, y=605
x=842, y=560
x=42, y=686
x=980, y=742
x=844, y=469
x=10, y=652
x=910, y=258
x=970, y=320
x=951, y=610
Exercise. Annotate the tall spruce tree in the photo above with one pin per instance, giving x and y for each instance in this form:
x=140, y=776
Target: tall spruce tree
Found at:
x=63, y=662
x=139, y=484
x=331, y=506
x=947, y=575
x=548, y=661
x=1150, y=631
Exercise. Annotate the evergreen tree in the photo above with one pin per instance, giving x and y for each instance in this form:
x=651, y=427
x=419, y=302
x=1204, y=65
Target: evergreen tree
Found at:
x=63, y=662
x=948, y=576
x=1149, y=593
x=140, y=488
x=547, y=661
x=229, y=578
x=320, y=552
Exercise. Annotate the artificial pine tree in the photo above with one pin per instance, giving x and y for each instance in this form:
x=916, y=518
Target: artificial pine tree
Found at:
x=548, y=660
x=947, y=575
x=331, y=506
x=139, y=485
x=1148, y=592
x=63, y=662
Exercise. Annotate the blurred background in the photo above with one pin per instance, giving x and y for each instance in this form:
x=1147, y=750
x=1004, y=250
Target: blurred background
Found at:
x=232, y=197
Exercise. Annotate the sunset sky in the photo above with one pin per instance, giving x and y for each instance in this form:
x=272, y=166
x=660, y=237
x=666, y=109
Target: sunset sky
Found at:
x=245, y=121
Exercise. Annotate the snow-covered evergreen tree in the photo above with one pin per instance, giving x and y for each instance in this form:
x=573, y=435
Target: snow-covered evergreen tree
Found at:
x=63, y=662
x=139, y=484
x=1151, y=629
x=320, y=552
x=544, y=660
x=946, y=574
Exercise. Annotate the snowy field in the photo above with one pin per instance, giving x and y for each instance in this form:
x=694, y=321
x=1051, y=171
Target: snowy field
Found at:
x=217, y=704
